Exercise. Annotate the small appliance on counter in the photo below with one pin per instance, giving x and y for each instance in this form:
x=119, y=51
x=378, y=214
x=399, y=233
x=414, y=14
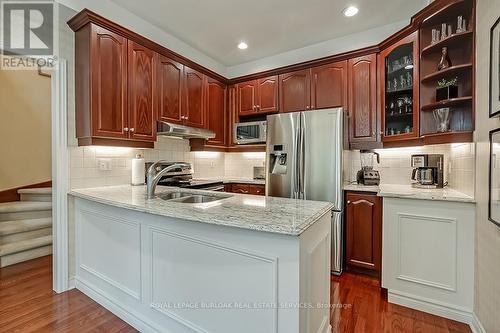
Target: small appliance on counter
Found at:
x=428, y=171
x=259, y=173
x=184, y=178
x=368, y=176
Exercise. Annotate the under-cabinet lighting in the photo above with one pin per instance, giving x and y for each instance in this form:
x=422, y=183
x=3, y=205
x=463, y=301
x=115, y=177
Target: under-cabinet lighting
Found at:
x=242, y=46
x=350, y=11
x=207, y=154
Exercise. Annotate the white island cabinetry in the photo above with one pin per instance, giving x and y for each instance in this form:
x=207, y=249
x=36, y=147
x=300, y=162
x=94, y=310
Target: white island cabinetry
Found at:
x=428, y=255
x=167, y=274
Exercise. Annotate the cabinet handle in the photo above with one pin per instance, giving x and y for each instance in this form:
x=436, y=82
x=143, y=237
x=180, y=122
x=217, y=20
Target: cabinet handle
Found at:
x=186, y=117
x=258, y=107
x=125, y=129
x=312, y=106
x=132, y=129
x=307, y=107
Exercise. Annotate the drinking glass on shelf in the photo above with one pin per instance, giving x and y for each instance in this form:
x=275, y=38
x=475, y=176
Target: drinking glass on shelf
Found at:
x=444, y=28
x=395, y=81
x=449, y=30
x=403, y=81
x=389, y=85
x=409, y=79
x=434, y=40
x=400, y=102
x=459, y=24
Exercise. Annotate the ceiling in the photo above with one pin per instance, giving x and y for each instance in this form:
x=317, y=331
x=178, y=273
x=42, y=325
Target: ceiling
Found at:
x=270, y=27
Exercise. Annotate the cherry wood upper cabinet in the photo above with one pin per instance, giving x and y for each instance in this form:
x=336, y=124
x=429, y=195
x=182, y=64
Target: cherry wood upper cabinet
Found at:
x=194, y=98
x=258, y=96
x=170, y=88
x=247, y=92
x=329, y=86
x=108, y=86
x=362, y=108
x=295, y=91
x=364, y=232
x=141, y=92
x=216, y=111
x=267, y=95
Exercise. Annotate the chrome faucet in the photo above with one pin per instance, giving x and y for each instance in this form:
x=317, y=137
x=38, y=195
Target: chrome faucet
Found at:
x=154, y=176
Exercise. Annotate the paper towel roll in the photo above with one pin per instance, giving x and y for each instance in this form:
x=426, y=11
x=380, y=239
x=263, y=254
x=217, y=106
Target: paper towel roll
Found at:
x=138, y=170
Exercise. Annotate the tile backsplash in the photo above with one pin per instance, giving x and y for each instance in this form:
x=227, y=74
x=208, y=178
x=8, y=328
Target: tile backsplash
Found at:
x=395, y=167
x=85, y=172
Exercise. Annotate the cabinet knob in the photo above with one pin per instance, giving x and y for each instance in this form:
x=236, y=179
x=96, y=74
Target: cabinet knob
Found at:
x=307, y=107
x=258, y=107
x=125, y=129
x=348, y=202
x=132, y=129
x=186, y=117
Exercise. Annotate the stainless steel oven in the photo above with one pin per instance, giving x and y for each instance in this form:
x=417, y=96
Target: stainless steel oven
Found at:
x=251, y=132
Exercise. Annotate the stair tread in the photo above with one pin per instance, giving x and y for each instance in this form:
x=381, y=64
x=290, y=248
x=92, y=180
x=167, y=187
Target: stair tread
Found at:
x=16, y=226
x=24, y=206
x=39, y=190
x=23, y=245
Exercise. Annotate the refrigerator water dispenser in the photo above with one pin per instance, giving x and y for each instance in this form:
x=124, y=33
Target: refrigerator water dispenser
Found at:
x=278, y=160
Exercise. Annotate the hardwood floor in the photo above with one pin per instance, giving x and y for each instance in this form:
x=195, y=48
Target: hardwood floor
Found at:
x=366, y=310
x=28, y=304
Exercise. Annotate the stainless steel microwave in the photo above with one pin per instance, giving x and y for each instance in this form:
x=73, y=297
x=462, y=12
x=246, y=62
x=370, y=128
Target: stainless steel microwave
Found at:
x=251, y=132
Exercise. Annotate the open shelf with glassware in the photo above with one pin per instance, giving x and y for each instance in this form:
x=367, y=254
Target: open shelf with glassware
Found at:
x=447, y=74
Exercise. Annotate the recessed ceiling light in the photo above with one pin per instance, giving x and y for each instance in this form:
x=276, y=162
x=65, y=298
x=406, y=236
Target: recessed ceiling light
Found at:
x=350, y=11
x=242, y=45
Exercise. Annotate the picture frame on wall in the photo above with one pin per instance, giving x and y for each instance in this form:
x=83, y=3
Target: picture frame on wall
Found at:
x=495, y=69
x=494, y=178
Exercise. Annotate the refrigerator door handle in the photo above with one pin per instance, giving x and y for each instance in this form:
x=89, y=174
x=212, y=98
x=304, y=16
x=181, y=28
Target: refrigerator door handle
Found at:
x=301, y=156
x=296, y=167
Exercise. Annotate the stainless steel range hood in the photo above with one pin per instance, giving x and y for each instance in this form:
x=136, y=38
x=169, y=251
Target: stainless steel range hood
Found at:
x=185, y=132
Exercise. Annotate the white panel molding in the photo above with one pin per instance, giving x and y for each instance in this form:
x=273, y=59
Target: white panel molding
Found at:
x=111, y=282
x=129, y=315
x=431, y=306
x=452, y=286
x=135, y=294
x=209, y=243
x=320, y=245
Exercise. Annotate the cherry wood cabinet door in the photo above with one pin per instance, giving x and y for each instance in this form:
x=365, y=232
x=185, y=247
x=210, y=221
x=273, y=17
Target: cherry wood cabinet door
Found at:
x=257, y=189
x=240, y=188
x=295, y=91
x=329, y=86
x=247, y=92
x=364, y=232
x=194, y=98
x=267, y=95
x=216, y=111
x=170, y=75
x=109, y=84
x=141, y=91
x=362, y=73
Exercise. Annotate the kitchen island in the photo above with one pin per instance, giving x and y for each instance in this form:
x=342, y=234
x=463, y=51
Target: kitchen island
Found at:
x=240, y=263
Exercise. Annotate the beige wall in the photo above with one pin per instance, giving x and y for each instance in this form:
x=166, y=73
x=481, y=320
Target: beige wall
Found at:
x=487, y=291
x=25, y=133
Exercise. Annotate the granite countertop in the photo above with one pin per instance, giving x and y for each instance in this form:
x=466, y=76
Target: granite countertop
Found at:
x=268, y=214
x=409, y=192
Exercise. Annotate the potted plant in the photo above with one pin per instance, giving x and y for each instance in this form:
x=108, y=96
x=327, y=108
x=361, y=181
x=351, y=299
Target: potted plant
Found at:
x=447, y=89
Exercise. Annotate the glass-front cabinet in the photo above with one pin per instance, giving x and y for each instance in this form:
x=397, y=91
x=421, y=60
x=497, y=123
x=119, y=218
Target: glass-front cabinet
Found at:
x=400, y=94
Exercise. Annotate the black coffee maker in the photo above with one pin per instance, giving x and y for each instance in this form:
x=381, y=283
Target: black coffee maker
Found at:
x=368, y=176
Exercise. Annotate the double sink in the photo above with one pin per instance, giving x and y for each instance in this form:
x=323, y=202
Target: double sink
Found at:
x=192, y=198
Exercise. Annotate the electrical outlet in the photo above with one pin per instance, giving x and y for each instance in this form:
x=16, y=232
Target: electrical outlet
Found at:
x=104, y=164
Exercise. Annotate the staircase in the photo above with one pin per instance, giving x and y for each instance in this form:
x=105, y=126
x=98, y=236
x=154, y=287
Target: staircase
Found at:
x=26, y=226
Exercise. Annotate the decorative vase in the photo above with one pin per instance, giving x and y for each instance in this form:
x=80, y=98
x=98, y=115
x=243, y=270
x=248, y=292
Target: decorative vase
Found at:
x=445, y=61
x=442, y=117
x=447, y=92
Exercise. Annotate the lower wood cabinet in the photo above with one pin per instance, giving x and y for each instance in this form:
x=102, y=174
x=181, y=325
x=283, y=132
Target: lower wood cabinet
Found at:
x=363, y=233
x=254, y=189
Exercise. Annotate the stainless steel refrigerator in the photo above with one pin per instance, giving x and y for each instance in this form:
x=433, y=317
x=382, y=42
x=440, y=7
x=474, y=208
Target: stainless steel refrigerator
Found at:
x=304, y=161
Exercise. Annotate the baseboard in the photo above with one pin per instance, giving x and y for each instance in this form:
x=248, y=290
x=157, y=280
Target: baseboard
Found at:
x=113, y=306
x=476, y=325
x=71, y=283
x=436, y=309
